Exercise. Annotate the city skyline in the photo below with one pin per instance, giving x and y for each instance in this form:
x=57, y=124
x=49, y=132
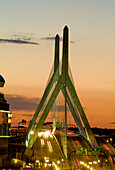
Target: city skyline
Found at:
x=27, y=52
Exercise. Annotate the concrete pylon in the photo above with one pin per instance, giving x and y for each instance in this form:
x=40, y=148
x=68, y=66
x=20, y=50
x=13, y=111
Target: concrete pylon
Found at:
x=61, y=82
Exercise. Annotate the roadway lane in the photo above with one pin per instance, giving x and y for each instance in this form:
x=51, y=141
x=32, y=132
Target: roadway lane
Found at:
x=46, y=152
x=47, y=146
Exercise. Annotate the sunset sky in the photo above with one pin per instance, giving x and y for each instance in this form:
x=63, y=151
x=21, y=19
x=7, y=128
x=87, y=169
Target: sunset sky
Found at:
x=27, y=32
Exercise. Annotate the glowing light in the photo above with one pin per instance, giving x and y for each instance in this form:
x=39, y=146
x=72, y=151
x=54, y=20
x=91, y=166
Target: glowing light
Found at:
x=4, y=111
x=49, y=145
x=90, y=163
x=4, y=136
x=9, y=120
x=31, y=132
x=47, y=160
x=42, y=142
x=26, y=143
x=37, y=161
x=47, y=134
x=77, y=163
x=88, y=167
x=110, y=139
x=15, y=161
x=27, y=166
x=95, y=162
x=58, y=162
x=62, y=160
x=85, y=164
x=82, y=163
x=9, y=115
x=45, y=164
x=98, y=161
x=40, y=134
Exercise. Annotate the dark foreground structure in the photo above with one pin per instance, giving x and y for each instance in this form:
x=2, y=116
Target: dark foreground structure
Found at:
x=5, y=124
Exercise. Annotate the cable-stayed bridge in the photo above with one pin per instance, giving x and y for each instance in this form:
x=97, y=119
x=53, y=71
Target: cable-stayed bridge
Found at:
x=61, y=147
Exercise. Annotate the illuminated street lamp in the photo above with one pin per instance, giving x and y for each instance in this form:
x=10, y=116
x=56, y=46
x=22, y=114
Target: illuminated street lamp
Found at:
x=107, y=140
x=58, y=162
x=110, y=140
x=15, y=161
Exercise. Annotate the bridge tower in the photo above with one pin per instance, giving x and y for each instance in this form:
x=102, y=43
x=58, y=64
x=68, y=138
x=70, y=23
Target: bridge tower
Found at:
x=61, y=80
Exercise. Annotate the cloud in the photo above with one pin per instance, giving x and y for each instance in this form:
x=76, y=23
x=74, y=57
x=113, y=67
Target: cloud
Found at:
x=21, y=35
x=22, y=103
x=18, y=102
x=26, y=37
x=48, y=38
x=112, y=122
x=18, y=41
x=29, y=115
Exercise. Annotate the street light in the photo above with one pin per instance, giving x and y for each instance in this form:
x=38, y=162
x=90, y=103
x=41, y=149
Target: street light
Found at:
x=15, y=161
